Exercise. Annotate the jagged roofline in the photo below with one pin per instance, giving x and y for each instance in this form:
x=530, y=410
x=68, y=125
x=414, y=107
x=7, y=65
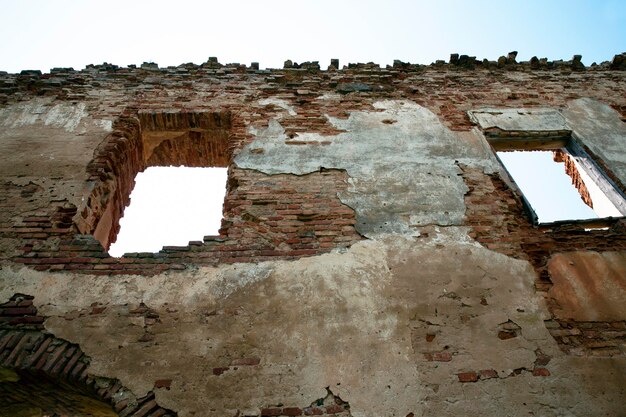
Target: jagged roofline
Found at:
x=458, y=60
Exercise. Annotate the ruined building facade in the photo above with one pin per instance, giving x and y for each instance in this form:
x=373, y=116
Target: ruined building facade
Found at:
x=374, y=256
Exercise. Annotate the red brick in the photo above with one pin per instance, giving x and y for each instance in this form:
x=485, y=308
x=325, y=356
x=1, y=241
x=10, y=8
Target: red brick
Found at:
x=334, y=409
x=163, y=383
x=488, y=374
x=220, y=371
x=36, y=219
x=541, y=372
x=467, y=376
x=120, y=405
x=441, y=357
x=97, y=309
x=504, y=335
x=292, y=411
x=18, y=311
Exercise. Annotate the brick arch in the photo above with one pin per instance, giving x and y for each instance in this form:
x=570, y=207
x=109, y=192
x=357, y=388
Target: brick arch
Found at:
x=42, y=361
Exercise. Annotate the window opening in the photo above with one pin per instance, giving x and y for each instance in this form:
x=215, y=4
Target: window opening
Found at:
x=559, y=181
x=171, y=206
x=150, y=142
x=546, y=186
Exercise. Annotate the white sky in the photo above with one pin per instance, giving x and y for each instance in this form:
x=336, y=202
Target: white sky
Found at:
x=549, y=189
x=171, y=206
x=42, y=34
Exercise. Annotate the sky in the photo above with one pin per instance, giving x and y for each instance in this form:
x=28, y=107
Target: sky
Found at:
x=154, y=219
x=42, y=34
x=550, y=191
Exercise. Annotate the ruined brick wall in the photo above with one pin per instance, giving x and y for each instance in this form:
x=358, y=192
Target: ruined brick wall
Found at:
x=448, y=90
x=364, y=207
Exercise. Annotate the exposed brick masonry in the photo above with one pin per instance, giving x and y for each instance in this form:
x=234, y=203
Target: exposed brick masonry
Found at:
x=572, y=171
x=330, y=405
x=498, y=222
x=265, y=217
x=38, y=356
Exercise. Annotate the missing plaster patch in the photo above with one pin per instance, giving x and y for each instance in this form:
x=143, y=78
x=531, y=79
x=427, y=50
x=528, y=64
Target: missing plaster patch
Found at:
x=508, y=330
x=331, y=404
x=397, y=157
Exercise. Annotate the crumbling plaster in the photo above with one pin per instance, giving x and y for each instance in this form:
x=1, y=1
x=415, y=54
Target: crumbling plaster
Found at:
x=341, y=320
x=47, y=136
x=402, y=162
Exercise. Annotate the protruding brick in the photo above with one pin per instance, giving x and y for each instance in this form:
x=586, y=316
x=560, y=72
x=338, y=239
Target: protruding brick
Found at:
x=18, y=311
x=163, y=383
x=541, y=372
x=334, y=409
x=467, y=376
x=220, y=370
x=488, y=374
x=438, y=356
x=292, y=411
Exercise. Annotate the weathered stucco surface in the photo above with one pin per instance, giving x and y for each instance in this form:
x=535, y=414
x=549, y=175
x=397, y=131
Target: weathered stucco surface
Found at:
x=589, y=286
x=48, y=137
x=358, y=322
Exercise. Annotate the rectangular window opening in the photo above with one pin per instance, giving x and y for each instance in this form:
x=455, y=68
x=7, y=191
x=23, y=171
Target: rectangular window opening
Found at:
x=561, y=184
x=171, y=206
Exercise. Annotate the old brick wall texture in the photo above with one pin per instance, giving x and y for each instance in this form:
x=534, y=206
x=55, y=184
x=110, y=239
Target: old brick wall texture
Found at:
x=57, y=223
